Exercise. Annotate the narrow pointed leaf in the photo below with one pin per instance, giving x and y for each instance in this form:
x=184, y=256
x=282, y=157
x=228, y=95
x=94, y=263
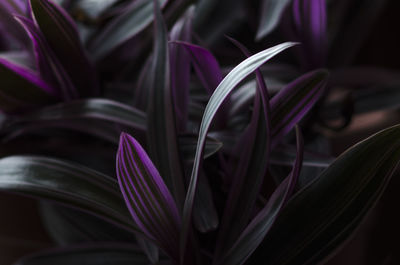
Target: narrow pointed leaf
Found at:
x=254, y=233
x=293, y=102
x=136, y=18
x=206, y=66
x=68, y=226
x=310, y=22
x=21, y=89
x=220, y=94
x=254, y=148
x=96, y=109
x=343, y=194
x=188, y=144
x=180, y=68
x=49, y=66
x=271, y=11
x=7, y=21
x=91, y=254
x=62, y=36
x=161, y=120
x=147, y=197
x=66, y=183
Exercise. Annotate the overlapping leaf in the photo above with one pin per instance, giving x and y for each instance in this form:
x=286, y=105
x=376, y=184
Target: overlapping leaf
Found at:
x=180, y=68
x=161, y=121
x=248, y=176
x=331, y=207
x=66, y=183
x=225, y=87
x=21, y=89
x=60, y=32
x=294, y=101
x=147, y=197
x=271, y=11
x=254, y=233
x=136, y=18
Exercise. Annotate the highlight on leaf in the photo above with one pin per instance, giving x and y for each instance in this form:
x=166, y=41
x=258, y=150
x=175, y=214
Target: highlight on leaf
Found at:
x=147, y=197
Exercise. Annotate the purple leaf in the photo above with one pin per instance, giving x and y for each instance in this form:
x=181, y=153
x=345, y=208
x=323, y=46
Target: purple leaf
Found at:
x=205, y=65
x=209, y=72
x=162, y=136
x=223, y=90
x=60, y=32
x=147, y=197
x=255, y=232
x=21, y=89
x=294, y=101
x=48, y=64
x=10, y=26
x=254, y=148
x=180, y=68
x=310, y=26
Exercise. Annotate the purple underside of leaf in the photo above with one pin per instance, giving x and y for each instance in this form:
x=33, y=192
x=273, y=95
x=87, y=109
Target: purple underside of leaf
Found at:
x=180, y=68
x=223, y=90
x=162, y=137
x=60, y=32
x=310, y=22
x=205, y=65
x=48, y=64
x=293, y=102
x=255, y=232
x=7, y=9
x=148, y=199
x=209, y=73
x=21, y=89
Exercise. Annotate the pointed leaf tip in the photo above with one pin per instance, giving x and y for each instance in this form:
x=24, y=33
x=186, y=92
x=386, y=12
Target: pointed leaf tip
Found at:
x=147, y=197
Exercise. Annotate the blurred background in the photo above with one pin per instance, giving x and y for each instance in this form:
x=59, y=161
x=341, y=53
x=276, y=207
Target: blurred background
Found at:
x=375, y=243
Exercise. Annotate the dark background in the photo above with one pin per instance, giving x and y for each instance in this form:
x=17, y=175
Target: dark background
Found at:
x=375, y=243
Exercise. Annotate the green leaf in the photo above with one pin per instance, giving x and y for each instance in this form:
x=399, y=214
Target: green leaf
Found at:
x=94, y=254
x=330, y=208
x=136, y=18
x=188, y=145
x=68, y=226
x=271, y=11
x=67, y=183
x=162, y=137
x=60, y=31
x=221, y=92
x=95, y=108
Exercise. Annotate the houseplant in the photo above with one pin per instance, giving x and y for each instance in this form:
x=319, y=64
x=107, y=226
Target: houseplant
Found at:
x=210, y=167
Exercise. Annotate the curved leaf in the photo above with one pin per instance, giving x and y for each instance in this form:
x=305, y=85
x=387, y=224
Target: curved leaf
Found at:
x=271, y=11
x=254, y=233
x=66, y=183
x=93, y=254
x=330, y=208
x=293, y=102
x=146, y=195
x=21, y=89
x=162, y=137
x=254, y=148
x=221, y=92
x=180, y=68
x=136, y=18
x=60, y=31
x=95, y=108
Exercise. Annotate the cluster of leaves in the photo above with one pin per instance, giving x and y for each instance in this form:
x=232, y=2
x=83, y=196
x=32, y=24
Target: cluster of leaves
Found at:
x=212, y=167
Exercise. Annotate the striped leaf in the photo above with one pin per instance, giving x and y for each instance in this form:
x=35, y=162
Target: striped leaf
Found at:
x=147, y=197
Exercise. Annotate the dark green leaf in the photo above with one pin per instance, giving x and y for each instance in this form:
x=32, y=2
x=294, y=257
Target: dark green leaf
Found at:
x=136, y=18
x=66, y=183
x=331, y=207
